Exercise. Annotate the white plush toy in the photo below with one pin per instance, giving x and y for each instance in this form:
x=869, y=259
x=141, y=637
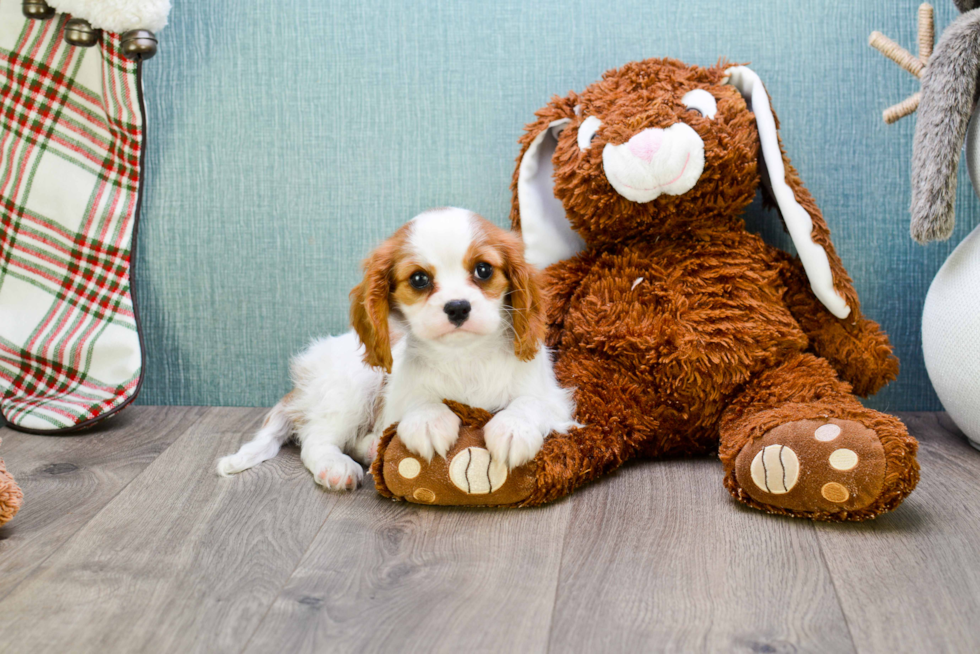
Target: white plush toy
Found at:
x=136, y=20
x=947, y=115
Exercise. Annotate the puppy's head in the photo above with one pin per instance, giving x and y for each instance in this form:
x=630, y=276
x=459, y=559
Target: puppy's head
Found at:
x=450, y=277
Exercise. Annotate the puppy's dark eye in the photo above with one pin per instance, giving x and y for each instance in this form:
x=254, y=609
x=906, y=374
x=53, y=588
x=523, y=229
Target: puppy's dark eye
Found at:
x=419, y=280
x=697, y=111
x=483, y=270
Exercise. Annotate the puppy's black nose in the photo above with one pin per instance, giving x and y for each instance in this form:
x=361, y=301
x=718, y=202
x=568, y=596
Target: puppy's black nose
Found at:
x=458, y=311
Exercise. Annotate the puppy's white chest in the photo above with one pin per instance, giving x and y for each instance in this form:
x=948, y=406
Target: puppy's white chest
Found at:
x=488, y=382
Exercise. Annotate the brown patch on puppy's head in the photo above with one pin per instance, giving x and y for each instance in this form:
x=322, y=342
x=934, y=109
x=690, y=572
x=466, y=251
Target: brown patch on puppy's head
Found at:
x=449, y=276
x=370, y=300
x=525, y=299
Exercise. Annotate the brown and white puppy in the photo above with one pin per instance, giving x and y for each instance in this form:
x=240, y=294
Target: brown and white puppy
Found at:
x=448, y=309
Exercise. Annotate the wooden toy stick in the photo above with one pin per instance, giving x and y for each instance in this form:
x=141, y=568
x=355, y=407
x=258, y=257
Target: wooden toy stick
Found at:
x=896, y=53
x=927, y=32
x=902, y=109
x=913, y=64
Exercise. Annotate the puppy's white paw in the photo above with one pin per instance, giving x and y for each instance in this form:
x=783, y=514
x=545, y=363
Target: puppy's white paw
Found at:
x=366, y=450
x=429, y=430
x=337, y=472
x=512, y=439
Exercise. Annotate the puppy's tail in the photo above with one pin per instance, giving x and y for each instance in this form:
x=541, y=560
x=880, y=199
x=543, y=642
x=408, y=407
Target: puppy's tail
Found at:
x=275, y=431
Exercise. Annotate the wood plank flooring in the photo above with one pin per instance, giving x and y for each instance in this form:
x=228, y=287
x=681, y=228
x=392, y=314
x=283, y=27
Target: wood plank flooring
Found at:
x=128, y=541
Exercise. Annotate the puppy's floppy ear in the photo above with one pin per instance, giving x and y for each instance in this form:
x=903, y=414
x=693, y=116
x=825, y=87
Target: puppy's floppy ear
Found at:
x=525, y=297
x=804, y=222
x=369, y=306
x=535, y=211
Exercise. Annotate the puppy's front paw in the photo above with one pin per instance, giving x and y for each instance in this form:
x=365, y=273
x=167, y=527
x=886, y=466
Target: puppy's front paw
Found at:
x=512, y=439
x=429, y=430
x=366, y=450
x=336, y=471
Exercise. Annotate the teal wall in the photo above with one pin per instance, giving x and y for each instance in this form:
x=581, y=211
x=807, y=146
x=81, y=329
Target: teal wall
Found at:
x=286, y=138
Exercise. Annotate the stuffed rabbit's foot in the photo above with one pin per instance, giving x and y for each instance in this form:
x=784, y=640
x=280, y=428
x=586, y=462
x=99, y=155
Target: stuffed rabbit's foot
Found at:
x=466, y=476
x=825, y=466
x=797, y=442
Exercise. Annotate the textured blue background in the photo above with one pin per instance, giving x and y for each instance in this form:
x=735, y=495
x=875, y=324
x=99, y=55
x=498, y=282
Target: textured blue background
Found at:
x=285, y=139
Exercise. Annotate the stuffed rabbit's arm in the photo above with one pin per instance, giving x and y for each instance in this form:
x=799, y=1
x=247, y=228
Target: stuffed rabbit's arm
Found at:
x=561, y=280
x=855, y=346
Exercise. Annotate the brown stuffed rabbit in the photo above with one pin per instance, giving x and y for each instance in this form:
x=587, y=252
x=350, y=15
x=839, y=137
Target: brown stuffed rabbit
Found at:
x=683, y=333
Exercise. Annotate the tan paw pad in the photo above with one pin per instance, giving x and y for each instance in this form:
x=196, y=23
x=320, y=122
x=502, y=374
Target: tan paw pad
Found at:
x=475, y=473
x=409, y=468
x=834, y=492
x=826, y=433
x=776, y=469
x=843, y=459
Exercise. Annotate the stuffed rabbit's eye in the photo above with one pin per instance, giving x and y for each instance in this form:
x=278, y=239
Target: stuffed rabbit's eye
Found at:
x=587, y=131
x=700, y=101
x=419, y=280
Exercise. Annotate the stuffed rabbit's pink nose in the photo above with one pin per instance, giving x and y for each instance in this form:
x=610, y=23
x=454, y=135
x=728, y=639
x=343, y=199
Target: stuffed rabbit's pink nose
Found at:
x=645, y=144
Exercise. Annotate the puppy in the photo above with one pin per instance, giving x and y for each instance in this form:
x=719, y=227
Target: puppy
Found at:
x=448, y=309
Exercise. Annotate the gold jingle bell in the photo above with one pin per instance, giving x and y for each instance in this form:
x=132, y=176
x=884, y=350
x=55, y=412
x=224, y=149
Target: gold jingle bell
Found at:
x=37, y=9
x=80, y=32
x=139, y=44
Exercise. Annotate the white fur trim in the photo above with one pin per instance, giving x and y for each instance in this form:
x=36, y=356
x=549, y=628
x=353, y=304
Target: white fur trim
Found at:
x=118, y=15
x=798, y=221
x=548, y=237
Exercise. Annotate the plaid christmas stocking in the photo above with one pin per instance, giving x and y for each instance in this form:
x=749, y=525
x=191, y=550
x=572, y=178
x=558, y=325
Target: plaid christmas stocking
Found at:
x=71, y=139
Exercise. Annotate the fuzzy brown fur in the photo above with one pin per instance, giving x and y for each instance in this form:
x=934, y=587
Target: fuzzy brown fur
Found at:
x=723, y=340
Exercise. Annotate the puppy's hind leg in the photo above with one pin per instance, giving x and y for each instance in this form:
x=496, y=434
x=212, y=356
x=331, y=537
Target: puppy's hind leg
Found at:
x=333, y=428
x=276, y=429
x=331, y=468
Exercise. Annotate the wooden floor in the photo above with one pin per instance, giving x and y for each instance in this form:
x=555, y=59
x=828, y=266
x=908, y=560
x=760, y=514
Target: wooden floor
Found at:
x=128, y=541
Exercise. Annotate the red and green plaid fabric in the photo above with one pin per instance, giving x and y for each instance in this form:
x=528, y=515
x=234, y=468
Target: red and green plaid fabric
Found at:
x=71, y=132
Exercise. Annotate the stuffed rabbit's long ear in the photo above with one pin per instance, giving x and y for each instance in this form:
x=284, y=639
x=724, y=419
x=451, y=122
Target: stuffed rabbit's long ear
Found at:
x=949, y=85
x=803, y=219
x=535, y=210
